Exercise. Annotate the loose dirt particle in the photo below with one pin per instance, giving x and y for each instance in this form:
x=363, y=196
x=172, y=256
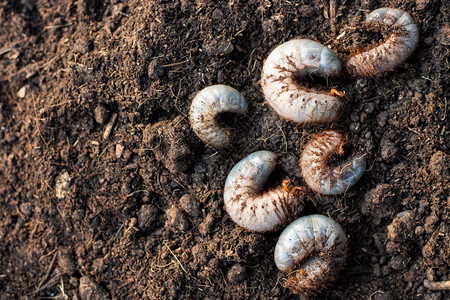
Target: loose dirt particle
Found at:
x=176, y=219
x=62, y=185
x=101, y=114
x=236, y=273
x=190, y=205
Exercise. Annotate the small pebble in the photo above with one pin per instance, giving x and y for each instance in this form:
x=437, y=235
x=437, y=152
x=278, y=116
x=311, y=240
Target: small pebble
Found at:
x=101, y=114
x=147, y=215
x=176, y=219
x=190, y=205
x=62, y=185
x=119, y=150
x=22, y=92
x=154, y=71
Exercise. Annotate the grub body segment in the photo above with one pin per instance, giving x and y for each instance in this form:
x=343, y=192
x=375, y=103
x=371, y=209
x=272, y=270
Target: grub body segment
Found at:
x=285, y=66
x=205, y=108
x=401, y=39
x=313, y=250
x=317, y=172
x=249, y=205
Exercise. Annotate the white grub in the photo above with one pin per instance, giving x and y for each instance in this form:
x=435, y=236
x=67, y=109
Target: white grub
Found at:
x=205, y=108
x=401, y=39
x=313, y=250
x=253, y=208
x=316, y=170
x=285, y=66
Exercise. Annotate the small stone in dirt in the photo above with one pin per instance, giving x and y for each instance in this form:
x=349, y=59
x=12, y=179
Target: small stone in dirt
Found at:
x=119, y=150
x=176, y=219
x=190, y=205
x=101, y=114
x=200, y=255
x=218, y=47
x=236, y=273
x=22, y=92
x=62, y=185
x=89, y=290
x=147, y=215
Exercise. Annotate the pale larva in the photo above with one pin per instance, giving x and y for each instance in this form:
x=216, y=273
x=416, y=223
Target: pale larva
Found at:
x=316, y=170
x=205, y=108
x=402, y=37
x=249, y=205
x=313, y=250
x=283, y=69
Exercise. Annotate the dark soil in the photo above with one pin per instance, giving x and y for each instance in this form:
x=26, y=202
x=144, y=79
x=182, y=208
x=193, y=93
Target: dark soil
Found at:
x=106, y=193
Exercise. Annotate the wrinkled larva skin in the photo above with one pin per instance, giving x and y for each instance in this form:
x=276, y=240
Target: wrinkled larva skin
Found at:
x=290, y=61
x=402, y=37
x=249, y=205
x=206, y=106
x=319, y=175
x=313, y=249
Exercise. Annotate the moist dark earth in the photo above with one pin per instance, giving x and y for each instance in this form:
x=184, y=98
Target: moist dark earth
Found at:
x=106, y=193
